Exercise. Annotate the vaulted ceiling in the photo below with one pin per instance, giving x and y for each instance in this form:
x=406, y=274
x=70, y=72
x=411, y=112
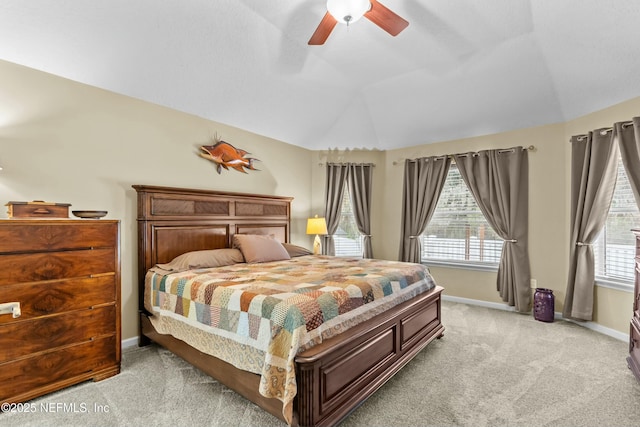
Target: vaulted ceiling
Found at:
x=461, y=68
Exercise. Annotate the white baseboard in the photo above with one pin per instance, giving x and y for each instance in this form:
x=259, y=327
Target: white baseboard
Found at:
x=129, y=342
x=558, y=316
x=487, y=304
x=599, y=328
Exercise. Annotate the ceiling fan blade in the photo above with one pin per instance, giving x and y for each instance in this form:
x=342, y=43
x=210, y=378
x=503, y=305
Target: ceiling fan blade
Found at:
x=324, y=29
x=385, y=19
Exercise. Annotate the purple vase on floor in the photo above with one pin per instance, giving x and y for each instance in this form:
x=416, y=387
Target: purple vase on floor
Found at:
x=543, y=305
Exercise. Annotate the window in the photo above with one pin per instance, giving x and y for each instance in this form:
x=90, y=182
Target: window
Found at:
x=614, y=248
x=458, y=233
x=347, y=239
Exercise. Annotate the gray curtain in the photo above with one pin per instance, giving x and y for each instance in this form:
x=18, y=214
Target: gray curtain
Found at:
x=593, y=179
x=360, y=179
x=423, y=182
x=499, y=182
x=334, y=190
x=629, y=140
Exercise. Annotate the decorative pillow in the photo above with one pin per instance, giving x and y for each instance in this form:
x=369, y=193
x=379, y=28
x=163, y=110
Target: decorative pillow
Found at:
x=257, y=248
x=295, y=250
x=203, y=259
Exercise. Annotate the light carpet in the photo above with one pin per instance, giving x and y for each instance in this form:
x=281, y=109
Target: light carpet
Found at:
x=491, y=368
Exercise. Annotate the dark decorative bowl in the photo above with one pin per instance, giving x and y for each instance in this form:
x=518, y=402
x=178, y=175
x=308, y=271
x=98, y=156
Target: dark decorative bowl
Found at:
x=89, y=214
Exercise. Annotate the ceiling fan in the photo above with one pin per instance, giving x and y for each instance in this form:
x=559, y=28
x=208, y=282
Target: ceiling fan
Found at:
x=349, y=11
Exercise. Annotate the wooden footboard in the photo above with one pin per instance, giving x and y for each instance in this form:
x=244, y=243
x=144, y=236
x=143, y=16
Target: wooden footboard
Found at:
x=336, y=376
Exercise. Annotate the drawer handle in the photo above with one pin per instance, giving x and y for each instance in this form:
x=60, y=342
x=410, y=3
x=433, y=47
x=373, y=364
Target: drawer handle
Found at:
x=42, y=211
x=11, y=307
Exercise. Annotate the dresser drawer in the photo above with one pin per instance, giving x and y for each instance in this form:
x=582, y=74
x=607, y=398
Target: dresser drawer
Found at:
x=19, y=339
x=30, y=236
x=34, y=267
x=44, y=298
x=27, y=376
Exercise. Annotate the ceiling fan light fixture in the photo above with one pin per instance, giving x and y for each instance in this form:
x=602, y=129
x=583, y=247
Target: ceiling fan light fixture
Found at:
x=348, y=11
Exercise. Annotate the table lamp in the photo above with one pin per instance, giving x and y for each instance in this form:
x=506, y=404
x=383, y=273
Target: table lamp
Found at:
x=316, y=226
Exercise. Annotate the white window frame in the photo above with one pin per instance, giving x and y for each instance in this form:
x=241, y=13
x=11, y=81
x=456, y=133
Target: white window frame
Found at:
x=346, y=213
x=615, y=281
x=472, y=264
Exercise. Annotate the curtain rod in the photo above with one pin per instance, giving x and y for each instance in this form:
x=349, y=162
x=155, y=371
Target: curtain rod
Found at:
x=347, y=164
x=507, y=150
x=603, y=131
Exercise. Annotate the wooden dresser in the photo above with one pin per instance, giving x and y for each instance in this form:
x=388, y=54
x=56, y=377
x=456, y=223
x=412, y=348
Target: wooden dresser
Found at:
x=634, y=334
x=65, y=275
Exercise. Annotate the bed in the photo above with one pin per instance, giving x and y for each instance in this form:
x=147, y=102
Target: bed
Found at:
x=329, y=372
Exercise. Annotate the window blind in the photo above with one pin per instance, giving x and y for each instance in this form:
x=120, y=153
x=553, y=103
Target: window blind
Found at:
x=458, y=231
x=614, y=249
x=347, y=239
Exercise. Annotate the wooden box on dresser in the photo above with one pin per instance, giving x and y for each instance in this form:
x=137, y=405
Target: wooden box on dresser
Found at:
x=65, y=274
x=634, y=334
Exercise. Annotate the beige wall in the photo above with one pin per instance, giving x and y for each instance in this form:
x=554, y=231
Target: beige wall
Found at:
x=67, y=142
x=549, y=210
x=387, y=200
x=546, y=208
x=61, y=141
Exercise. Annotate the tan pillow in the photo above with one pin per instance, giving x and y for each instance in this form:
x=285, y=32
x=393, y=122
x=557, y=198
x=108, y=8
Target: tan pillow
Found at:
x=295, y=250
x=257, y=248
x=203, y=259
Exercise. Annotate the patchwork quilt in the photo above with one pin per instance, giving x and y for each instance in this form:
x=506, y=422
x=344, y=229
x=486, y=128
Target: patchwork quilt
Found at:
x=258, y=317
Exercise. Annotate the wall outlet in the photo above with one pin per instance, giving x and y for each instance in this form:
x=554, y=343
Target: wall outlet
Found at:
x=534, y=283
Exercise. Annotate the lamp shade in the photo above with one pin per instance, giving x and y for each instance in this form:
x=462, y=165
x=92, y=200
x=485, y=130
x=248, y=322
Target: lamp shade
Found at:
x=316, y=225
x=348, y=11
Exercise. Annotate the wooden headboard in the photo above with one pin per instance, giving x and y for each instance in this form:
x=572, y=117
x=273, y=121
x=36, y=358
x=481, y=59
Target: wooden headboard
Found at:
x=172, y=221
